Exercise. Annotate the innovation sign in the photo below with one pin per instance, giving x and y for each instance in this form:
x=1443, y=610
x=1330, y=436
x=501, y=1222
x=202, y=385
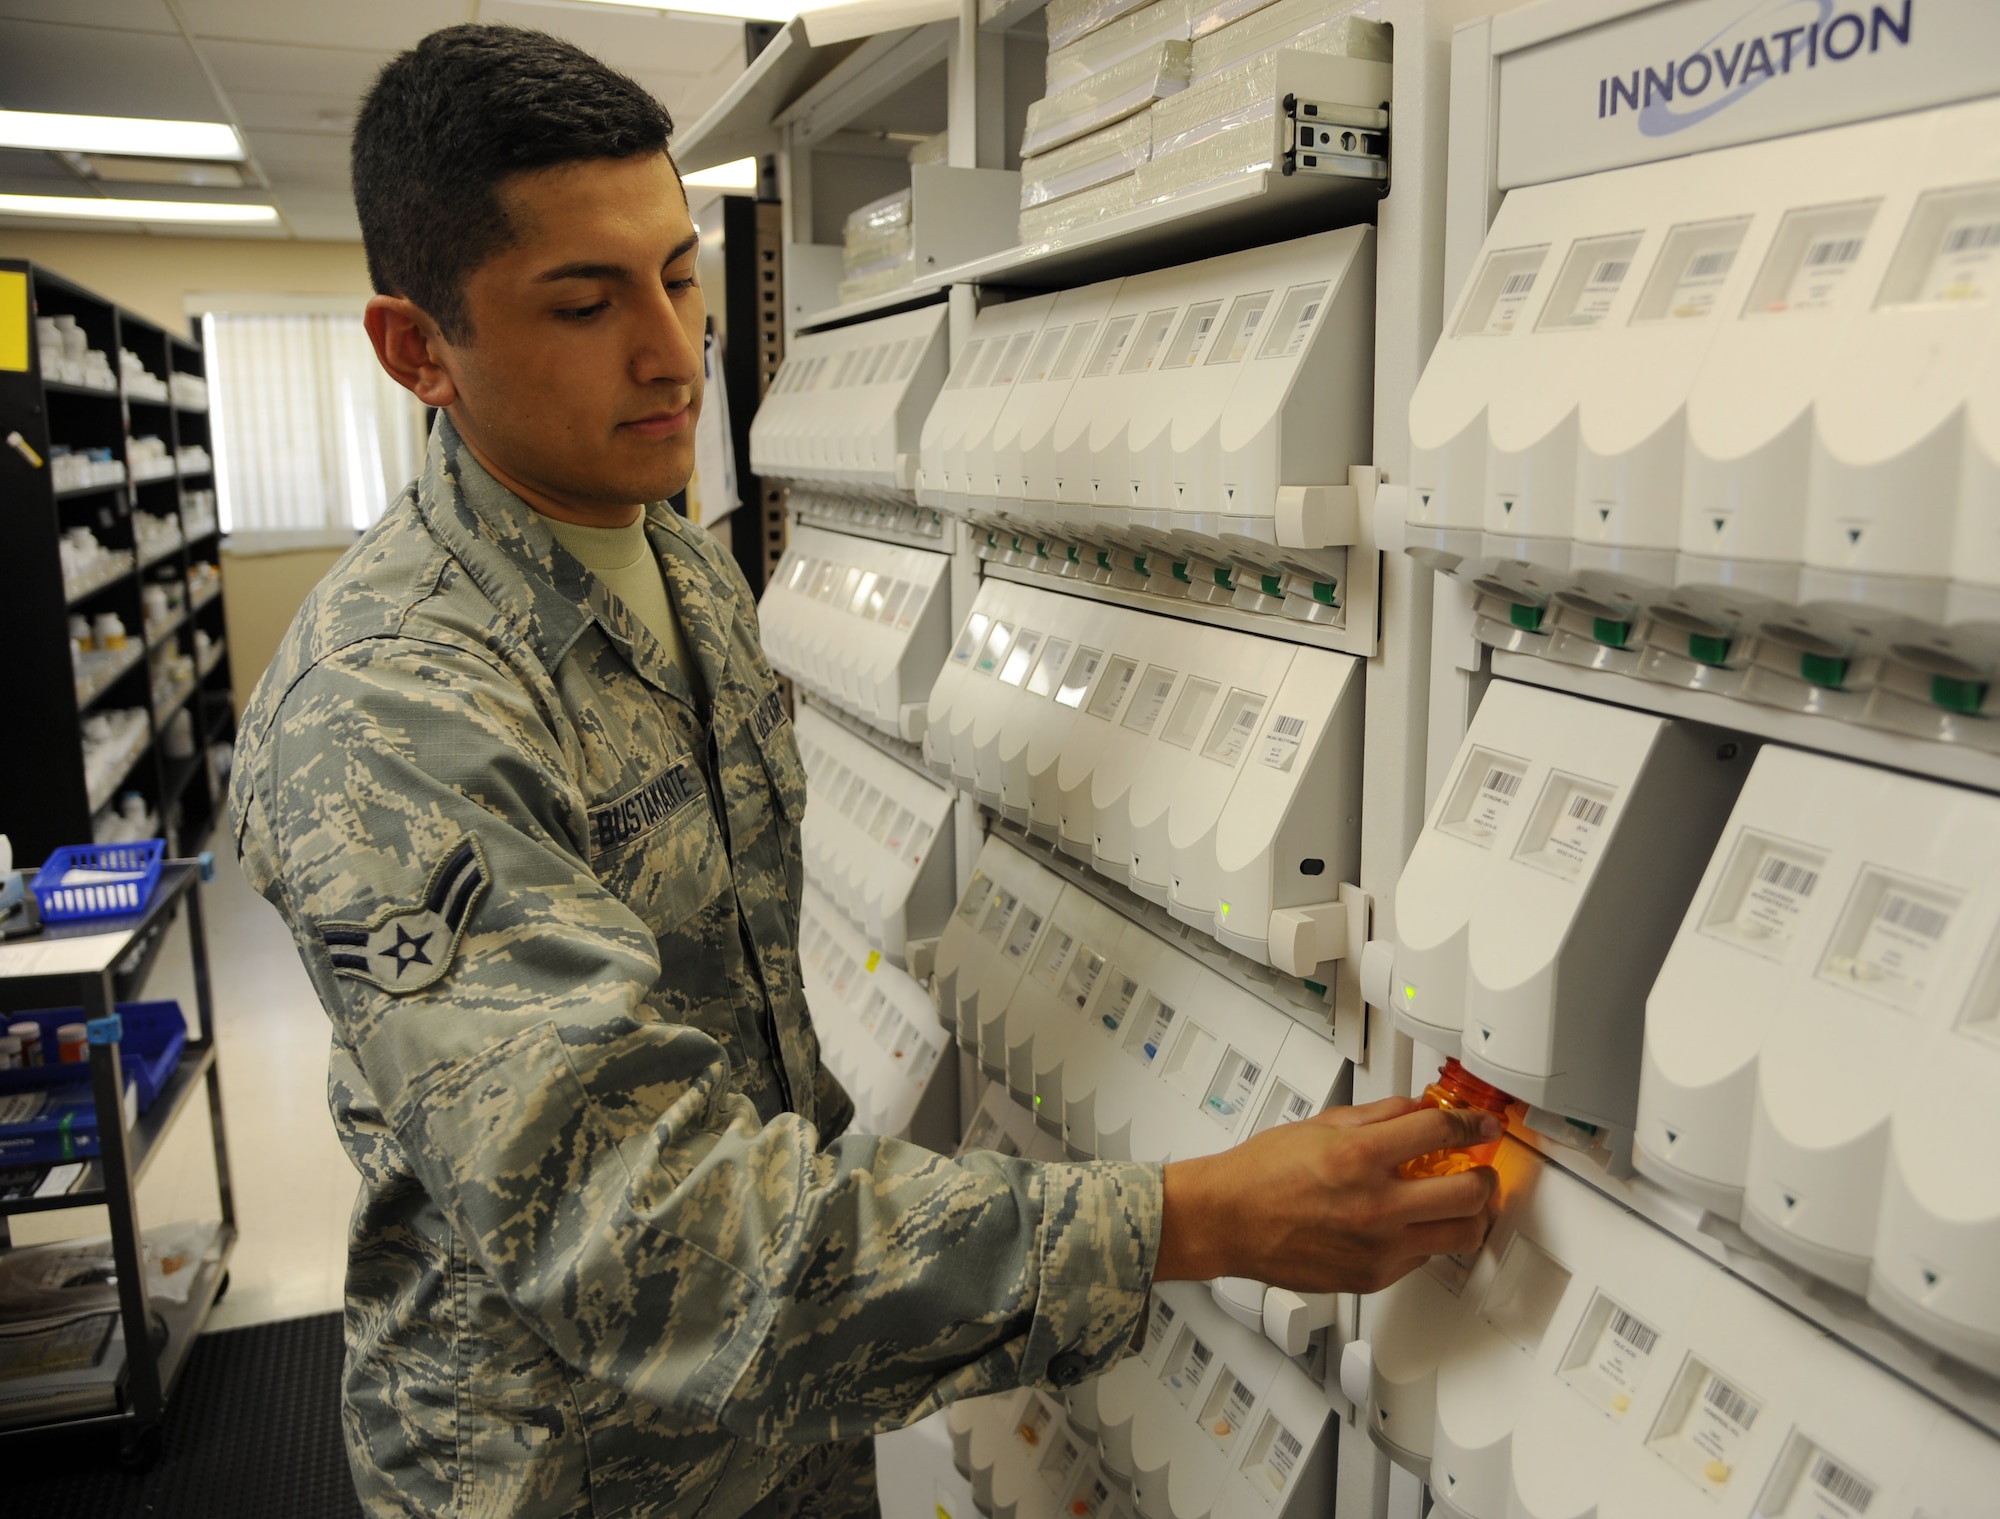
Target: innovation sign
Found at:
x=1679, y=78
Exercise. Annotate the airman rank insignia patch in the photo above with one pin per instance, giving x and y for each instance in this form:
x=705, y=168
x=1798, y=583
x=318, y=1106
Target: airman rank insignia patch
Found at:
x=404, y=949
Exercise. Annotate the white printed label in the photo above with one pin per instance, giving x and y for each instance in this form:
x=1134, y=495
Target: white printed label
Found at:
x=1499, y=785
x=1514, y=293
x=1717, y=1426
x=1573, y=831
x=1895, y=953
x=1023, y=937
x=1700, y=283
x=1158, y=1325
x=919, y=842
x=998, y=913
x=1966, y=263
x=1283, y=1458
x=907, y=617
x=1817, y=279
x=1235, y=727
x=1083, y=973
x=1119, y=1003
x=1060, y=1465
x=1778, y=894
x=1184, y=1376
x=1235, y=1089
x=1151, y=700
x=1593, y=302
x=1830, y=1490
x=1235, y=1412
x=1623, y=1349
x=1153, y=1037
x=1281, y=742
x=1049, y=966
x=1034, y=1423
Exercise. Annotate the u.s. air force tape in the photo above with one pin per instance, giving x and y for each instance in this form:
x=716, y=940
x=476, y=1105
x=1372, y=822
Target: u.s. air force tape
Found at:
x=768, y=714
x=640, y=811
x=404, y=949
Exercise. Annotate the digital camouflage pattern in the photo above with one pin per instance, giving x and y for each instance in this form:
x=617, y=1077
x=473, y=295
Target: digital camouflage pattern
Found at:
x=609, y=1257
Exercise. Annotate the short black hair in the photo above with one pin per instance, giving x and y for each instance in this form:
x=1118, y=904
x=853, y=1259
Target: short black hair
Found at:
x=450, y=119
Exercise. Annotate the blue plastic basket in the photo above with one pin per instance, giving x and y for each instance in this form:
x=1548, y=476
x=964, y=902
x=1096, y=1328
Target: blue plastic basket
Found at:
x=134, y=868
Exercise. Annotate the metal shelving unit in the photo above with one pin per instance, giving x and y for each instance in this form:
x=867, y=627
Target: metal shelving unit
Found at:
x=51, y=699
x=138, y=1402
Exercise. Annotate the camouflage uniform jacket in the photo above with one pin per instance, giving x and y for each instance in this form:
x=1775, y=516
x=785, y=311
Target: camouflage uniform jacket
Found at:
x=608, y=1256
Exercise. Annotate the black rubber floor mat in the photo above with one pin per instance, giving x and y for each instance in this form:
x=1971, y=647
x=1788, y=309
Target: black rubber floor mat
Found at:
x=252, y=1432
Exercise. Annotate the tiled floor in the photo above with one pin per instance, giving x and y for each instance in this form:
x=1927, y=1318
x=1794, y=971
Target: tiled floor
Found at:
x=293, y=1186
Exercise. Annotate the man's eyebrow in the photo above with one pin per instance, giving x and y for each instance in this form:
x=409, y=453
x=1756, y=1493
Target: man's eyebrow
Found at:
x=617, y=273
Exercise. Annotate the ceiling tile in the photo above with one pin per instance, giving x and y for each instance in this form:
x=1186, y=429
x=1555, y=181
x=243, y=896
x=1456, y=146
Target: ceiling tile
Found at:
x=302, y=161
x=95, y=72
x=295, y=111
x=128, y=15
x=271, y=67
x=634, y=40
x=362, y=25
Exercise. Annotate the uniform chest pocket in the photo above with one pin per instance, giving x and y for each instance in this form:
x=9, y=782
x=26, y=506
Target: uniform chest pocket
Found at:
x=657, y=848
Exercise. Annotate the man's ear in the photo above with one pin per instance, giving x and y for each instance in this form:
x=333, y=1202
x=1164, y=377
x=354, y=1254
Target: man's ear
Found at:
x=410, y=349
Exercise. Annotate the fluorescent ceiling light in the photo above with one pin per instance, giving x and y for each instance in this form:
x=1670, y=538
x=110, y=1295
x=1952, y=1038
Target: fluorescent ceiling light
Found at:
x=133, y=210
x=123, y=169
x=731, y=10
x=119, y=134
x=740, y=175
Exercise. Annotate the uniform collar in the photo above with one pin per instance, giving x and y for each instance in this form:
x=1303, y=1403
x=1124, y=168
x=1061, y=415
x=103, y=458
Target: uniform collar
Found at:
x=514, y=559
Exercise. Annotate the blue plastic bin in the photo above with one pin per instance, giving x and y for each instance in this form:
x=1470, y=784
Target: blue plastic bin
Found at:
x=155, y=1034
x=136, y=866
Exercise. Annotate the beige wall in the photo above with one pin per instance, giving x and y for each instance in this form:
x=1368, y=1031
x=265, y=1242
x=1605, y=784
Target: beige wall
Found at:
x=261, y=593
x=151, y=275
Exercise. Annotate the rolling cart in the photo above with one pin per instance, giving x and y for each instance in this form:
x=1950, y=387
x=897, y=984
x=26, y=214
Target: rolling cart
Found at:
x=70, y=964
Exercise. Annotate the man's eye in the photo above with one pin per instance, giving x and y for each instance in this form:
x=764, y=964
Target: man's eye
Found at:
x=677, y=286
x=582, y=313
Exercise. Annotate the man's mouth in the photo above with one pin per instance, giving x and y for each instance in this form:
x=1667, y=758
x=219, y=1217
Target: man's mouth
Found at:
x=659, y=424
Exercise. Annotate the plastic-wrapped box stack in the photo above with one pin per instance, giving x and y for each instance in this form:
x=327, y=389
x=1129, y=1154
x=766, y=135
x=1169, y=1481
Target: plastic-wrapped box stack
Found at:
x=878, y=254
x=1146, y=102
x=1108, y=62
x=1220, y=126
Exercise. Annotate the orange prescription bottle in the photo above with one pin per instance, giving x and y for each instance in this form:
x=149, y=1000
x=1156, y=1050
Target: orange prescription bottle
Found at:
x=1456, y=1087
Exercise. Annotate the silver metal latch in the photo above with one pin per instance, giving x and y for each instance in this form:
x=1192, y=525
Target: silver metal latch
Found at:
x=1343, y=141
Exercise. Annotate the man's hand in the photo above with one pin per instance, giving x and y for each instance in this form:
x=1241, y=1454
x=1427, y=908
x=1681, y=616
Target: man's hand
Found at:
x=1317, y=1206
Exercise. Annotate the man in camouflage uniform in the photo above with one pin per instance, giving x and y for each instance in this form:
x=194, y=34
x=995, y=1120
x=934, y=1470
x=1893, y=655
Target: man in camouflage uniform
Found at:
x=614, y=1253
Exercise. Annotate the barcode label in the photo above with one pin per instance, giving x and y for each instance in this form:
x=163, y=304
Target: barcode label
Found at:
x=1782, y=873
x=1285, y=1452
x=1730, y=1403
x=1610, y=271
x=1281, y=742
x=1919, y=918
x=1640, y=1336
x=1297, y=1108
x=1708, y=266
x=1158, y=1325
x=1251, y=1071
x=1972, y=239
x=1518, y=284
x=1840, y=1484
x=1587, y=811
x=1501, y=783
x=1833, y=250
x=1512, y=294
x=1700, y=283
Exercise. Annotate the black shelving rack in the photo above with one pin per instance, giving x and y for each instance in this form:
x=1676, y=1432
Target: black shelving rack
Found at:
x=50, y=802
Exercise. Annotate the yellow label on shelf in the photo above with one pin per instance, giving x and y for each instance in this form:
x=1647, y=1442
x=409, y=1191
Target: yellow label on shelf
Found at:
x=874, y=959
x=14, y=320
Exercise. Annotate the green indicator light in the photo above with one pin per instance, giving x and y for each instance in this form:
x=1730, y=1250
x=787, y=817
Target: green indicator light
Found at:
x=1225, y=909
x=1323, y=593
x=1315, y=988
x=1409, y=992
x=1038, y=1099
x=1823, y=669
x=1222, y=577
x=1180, y=571
x=1524, y=616
x=1273, y=585
x=1610, y=633
x=1707, y=649
x=1956, y=695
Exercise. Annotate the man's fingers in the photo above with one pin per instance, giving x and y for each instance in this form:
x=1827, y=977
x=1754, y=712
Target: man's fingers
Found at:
x=1395, y=1140
x=1369, y=1112
x=1430, y=1198
x=1447, y=1236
